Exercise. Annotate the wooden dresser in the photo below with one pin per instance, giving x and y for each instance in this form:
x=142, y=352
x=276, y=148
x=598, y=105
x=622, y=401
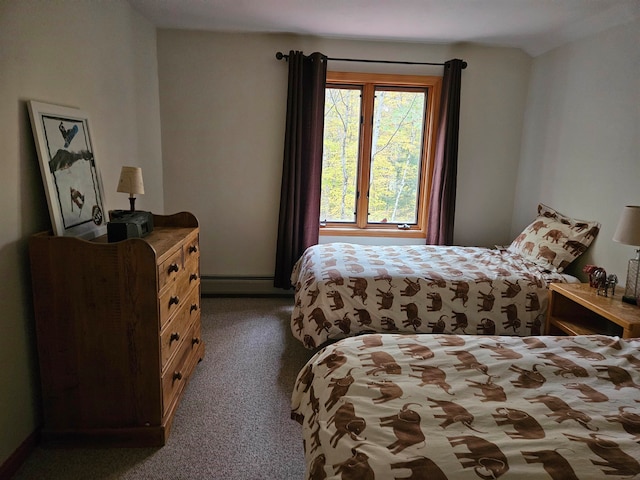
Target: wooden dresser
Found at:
x=118, y=331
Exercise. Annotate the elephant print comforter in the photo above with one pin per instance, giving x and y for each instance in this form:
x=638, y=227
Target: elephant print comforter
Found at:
x=344, y=289
x=437, y=407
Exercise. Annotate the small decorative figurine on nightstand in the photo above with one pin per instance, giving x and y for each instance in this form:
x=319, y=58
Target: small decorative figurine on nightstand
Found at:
x=597, y=275
x=599, y=280
x=601, y=283
x=612, y=281
x=606, y=283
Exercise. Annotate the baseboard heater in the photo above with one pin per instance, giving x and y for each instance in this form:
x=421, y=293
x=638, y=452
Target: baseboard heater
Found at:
x=240, y=285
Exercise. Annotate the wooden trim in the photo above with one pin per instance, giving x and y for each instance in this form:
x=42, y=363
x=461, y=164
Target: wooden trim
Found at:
x=152, y=436
x=351, y=231
x=390, y=79
x=368, y=82
x=181, y=219
x=12, y=464
x=433, y=120
x=364, y=156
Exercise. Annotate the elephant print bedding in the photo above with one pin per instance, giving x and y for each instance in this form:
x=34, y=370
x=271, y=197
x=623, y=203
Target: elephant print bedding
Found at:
x=438, y=407
x=344, y=289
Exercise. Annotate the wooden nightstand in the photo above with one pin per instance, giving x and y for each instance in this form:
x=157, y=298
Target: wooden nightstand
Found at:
x=575, y=309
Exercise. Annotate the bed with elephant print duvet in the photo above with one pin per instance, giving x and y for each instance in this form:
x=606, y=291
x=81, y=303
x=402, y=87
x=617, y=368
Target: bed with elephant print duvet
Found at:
x=344, y=289
x=436, y=407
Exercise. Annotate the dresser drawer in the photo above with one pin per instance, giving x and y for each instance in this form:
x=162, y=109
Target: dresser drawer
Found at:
x=170, y=269
x=175, y=296
x=191, y=252
x=176, y=330
x=176, y=275
x=179, y=369
x=192, y=263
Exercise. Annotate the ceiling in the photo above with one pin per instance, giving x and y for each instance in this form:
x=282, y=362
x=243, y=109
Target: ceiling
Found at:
x=535, y=26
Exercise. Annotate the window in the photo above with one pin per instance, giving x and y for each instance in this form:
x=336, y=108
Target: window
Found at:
x=379, y=138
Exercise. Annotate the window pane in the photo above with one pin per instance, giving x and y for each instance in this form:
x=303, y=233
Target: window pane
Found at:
x=395, y=156
x=340, y=154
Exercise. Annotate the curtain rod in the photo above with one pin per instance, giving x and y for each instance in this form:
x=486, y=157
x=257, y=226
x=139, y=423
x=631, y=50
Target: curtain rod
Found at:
x=280, y=56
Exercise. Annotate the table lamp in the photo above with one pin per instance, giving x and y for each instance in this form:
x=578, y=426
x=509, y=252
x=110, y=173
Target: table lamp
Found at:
x=131, y=182
x=628, y=232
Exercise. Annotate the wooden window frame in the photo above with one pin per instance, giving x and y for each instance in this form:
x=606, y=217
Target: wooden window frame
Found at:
x=368, y=83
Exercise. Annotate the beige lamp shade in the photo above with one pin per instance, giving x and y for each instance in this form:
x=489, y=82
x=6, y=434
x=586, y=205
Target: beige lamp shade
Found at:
x=131, y=181
x=628, y=231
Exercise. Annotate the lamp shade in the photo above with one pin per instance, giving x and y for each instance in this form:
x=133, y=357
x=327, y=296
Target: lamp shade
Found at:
x=131, y=181
x=628, y=231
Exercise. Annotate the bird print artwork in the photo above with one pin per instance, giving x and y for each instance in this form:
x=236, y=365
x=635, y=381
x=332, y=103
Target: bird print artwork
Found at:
x=68, y=134
x=77, y=198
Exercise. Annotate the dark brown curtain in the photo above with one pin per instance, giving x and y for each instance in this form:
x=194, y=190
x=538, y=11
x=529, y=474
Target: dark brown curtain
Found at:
x=442, y=199
x=299, y=220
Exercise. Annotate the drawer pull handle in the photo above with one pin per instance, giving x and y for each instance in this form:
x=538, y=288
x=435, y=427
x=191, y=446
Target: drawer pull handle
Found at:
x=177, y=375
x=174, y=301
x=194, y=307
x=193, y=248
x=195, y=341
x=173, y=268
x=192, y=277
x=174, y=337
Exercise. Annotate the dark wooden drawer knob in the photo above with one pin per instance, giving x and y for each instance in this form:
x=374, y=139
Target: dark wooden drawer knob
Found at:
x=174, y=337
x=195, y=341
x=177, y=375
x=174, y=300
x=173, y=268
x=192, y=277
x=194, y=307
x=193, y=248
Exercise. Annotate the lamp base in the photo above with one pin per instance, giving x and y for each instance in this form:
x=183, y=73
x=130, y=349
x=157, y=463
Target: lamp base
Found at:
x=632, y=288
x=132, y=203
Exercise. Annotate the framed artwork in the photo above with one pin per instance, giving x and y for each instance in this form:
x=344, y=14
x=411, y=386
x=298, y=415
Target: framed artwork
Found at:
x=71, y=177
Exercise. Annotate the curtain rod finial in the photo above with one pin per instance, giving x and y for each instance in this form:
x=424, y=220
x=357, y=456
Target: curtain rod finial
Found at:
x=280, y=55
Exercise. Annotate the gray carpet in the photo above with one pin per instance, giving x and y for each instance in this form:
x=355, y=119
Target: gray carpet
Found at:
x=234, y=419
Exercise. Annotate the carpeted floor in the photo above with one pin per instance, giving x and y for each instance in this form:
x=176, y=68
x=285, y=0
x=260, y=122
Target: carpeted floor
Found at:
x=234, y=420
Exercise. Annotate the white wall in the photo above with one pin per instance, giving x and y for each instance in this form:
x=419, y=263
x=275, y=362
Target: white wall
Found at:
x=96, y=56
x=581, y=140
x=221, y=98
x=223, y=103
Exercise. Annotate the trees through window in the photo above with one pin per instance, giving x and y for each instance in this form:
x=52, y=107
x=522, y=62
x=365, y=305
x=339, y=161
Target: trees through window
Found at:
x=378, y=142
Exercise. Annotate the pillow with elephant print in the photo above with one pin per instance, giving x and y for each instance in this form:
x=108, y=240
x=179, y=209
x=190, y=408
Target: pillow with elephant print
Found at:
x=554, y=240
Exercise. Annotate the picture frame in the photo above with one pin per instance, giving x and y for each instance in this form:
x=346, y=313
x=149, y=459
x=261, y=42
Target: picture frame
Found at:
x=70, y=174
